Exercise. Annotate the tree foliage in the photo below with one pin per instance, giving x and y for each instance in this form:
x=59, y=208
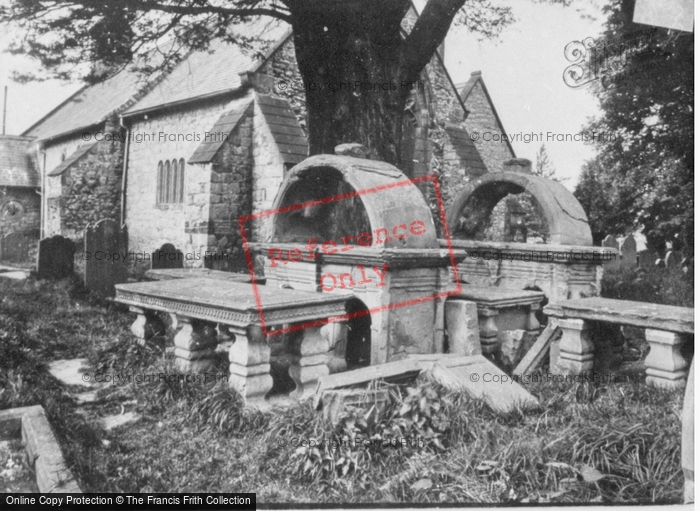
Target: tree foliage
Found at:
x=67, y=35
x=543, y=165
x=336, y=41
x=642, y=176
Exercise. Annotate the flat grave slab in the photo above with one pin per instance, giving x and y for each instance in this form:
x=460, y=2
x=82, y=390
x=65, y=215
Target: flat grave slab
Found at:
x=497, y=298
x=624, y=312
x=70, y=371
x=185, y=273
x=230, y=302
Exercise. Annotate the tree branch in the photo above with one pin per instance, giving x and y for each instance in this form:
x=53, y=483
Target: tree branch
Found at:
x=427, y=34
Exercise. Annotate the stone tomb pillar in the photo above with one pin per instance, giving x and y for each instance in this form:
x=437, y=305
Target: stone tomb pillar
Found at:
x=574, y=351
x=195, y=345
x=461, y=323
x=249, y=356
x=665, y=366
x=310, y=355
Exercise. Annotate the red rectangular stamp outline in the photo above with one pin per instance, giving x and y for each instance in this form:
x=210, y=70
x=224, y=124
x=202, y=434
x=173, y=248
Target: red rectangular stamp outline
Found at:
x=432, y=178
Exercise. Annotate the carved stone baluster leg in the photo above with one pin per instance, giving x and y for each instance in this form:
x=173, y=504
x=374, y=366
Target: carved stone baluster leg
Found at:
x=665, y=364
x=146, y=324
x=575, y=348
x=488, y=331
x=250, y=364
x=533, y=326
x=310, y=353
x=336, y=335
x=195, y=345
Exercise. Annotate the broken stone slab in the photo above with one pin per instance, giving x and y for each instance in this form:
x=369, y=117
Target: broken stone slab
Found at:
x=85, y=398
x=514, y=345
x=537, y=353
x=334, y=402
x=14, y=275
x=485, y=381
x=11, y=420
x=72, y=372
x=111, y=422
x=43, y=451
x=367, y=374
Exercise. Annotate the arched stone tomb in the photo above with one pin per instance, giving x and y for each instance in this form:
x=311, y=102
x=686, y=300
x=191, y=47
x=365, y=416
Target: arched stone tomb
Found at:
x=568, y=267
x=345, y=225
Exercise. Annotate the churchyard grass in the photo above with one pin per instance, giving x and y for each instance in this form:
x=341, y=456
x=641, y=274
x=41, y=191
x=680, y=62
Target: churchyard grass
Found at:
x=608, y=442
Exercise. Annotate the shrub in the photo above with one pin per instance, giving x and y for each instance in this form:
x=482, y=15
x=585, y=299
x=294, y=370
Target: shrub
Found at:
x=654, y=285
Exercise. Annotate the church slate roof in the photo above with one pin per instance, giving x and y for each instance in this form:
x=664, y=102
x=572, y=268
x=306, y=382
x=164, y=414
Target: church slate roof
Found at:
x=199, y=74
x=17, y=166
x=286, y=131
x=209, y=73
x=465, y=149
x=466, y=88
x=73, y=158
x=88, y=107
x=225, y=125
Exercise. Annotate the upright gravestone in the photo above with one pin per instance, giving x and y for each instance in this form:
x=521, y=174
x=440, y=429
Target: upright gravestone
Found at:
x=628, y=252
x=647, y=258
x=106, y=256
x=167, y=257
x=614, y=263
x=55, y=259
x=672, y=259
x=15, y=247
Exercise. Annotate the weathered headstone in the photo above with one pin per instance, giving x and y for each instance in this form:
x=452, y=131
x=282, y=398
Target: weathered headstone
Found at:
x=628, y=252
x=614, y=263
x=672, y=259
x=15, y=247
x=647, y=258
x=106, y=256
x=55, y=259
x=167, y=257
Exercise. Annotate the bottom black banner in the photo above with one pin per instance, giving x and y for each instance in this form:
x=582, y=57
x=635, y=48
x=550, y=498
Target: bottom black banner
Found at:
x=128, y=501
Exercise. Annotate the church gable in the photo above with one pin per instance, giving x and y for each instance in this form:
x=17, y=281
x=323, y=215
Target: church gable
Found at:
x=483, y=121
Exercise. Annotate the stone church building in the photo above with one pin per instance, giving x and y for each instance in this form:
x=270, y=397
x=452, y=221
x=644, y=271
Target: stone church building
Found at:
x=181, y=157
x=19, y=187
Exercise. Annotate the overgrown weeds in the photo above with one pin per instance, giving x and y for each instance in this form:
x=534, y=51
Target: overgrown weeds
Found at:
x=590, y=442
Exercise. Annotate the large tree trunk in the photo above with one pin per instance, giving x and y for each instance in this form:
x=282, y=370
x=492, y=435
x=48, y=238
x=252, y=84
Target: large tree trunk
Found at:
x=349, y=56
x=358, y=70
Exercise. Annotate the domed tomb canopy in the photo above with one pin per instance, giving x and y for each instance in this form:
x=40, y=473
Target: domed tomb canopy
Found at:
x=567, y=222
x=331, y=197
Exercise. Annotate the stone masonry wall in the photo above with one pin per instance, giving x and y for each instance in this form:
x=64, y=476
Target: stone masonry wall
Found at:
x=216, y=193
x=231, y=196
x=268, y=173
x=171, y=136
x=91, y=188
x=53, y=154
x=25, y=220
